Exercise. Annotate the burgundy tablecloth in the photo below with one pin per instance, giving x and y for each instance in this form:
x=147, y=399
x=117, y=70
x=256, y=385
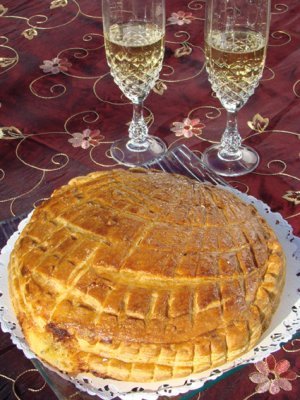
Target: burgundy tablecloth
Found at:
x=60, y=111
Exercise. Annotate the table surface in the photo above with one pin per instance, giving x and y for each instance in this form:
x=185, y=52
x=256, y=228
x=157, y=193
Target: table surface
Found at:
x=60, y=112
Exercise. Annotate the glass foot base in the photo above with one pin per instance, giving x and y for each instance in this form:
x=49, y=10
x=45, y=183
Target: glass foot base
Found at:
x=246, y=163
x=125, y=154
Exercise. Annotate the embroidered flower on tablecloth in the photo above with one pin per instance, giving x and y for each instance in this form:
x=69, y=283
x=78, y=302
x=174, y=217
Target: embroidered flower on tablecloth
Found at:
x=181, y=18
x=86, y=138
x=58, y=3
x=188, y=127
x=55, y=66
x=30, y=33
x=7, y=61
x=159, y=87
x=258, y=123
x=292, y=196
x=272, y=375
x=3, y=10
x=184, y=50
x=10, y=132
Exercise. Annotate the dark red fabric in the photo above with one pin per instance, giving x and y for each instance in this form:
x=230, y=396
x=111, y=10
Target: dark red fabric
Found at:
x=40, y=112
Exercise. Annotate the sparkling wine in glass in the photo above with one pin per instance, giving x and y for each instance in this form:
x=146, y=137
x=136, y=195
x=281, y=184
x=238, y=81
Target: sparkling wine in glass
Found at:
x=134, y=34
x=236, y=35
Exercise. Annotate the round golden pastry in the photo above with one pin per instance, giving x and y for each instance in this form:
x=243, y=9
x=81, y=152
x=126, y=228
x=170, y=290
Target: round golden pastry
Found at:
x=144, y=276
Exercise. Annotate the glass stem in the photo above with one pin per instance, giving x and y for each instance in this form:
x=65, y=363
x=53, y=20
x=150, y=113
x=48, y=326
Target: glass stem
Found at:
x=231, y=139
x=138, y=130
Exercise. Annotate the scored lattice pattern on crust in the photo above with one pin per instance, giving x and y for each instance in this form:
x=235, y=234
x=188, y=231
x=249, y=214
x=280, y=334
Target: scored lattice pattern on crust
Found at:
x=141, y=276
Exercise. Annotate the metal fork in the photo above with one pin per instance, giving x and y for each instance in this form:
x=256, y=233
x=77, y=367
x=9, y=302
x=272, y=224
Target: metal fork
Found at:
x=182, y=160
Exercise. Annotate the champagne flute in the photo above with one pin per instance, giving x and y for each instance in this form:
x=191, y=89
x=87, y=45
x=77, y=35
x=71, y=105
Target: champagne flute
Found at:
x=236, y=35
x=134, y=32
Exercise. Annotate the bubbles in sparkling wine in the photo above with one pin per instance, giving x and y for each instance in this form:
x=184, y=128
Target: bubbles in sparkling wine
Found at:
x=134, y=53
x=234, y=61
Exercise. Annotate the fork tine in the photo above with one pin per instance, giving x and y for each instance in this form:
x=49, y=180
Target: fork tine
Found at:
x=185, y=166
x=166, y=165
x=162, y=167
x=183, y=151
x=197, y=163
x=197, y=172
x=182, y=160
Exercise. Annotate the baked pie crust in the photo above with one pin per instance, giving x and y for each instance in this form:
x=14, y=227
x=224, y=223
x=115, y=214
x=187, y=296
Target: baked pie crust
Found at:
x=144, y=276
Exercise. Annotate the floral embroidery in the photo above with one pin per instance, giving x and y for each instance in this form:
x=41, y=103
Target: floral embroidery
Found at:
x=160, y=87
x=30, y=33
x=85, y=139
x=181, y=18
x=10, y=132
x=188, y=127
x=55, y=66
x=58, y=3
x=272, y=376
x=292, y=196
x=258, y=123
x=3, y=10
x=185, y=50
x=7, y=61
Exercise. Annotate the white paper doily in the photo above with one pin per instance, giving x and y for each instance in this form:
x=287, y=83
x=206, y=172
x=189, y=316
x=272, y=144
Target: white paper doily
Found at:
x=284, y=324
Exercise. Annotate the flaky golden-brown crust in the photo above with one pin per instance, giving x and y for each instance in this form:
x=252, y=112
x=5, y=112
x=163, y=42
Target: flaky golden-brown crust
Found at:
x=143, y=276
